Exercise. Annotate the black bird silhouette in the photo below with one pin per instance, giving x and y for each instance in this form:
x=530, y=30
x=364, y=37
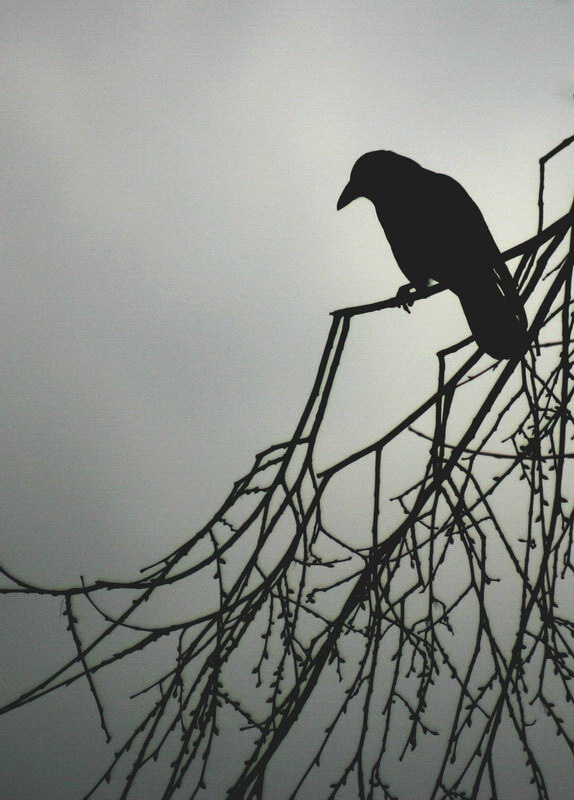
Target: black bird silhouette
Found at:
x=438, y=235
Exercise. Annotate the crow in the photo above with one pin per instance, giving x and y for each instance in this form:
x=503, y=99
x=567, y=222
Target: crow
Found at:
x=438, y=235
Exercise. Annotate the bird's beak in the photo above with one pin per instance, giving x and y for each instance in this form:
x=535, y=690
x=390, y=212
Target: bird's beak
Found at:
x=348, y=194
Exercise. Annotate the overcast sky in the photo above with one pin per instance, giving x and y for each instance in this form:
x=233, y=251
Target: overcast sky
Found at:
x=171, y=251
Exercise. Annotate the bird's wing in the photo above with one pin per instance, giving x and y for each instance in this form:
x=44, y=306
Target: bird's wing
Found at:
x=471, y=256
x=475, y=269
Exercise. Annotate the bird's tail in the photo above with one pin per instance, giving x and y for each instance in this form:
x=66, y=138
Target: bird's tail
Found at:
x=497, y=320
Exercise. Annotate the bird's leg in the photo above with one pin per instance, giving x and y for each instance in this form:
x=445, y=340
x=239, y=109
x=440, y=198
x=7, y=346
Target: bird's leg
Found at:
x=404, y=296
x=407, y=294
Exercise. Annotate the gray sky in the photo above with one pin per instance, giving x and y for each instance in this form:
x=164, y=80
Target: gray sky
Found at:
x=171, y=251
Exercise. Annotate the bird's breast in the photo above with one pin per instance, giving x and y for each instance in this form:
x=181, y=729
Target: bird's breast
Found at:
x=414, y=243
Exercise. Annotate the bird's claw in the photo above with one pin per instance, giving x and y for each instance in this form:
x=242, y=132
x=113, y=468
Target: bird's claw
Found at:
x=404, y=298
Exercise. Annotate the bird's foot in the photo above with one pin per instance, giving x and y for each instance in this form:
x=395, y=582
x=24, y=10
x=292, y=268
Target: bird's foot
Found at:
x=405, y=298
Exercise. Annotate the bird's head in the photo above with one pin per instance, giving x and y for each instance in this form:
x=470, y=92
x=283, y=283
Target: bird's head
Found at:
x=373, y=172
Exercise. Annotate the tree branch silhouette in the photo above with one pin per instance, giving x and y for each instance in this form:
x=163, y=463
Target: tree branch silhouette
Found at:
x=386, y=624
